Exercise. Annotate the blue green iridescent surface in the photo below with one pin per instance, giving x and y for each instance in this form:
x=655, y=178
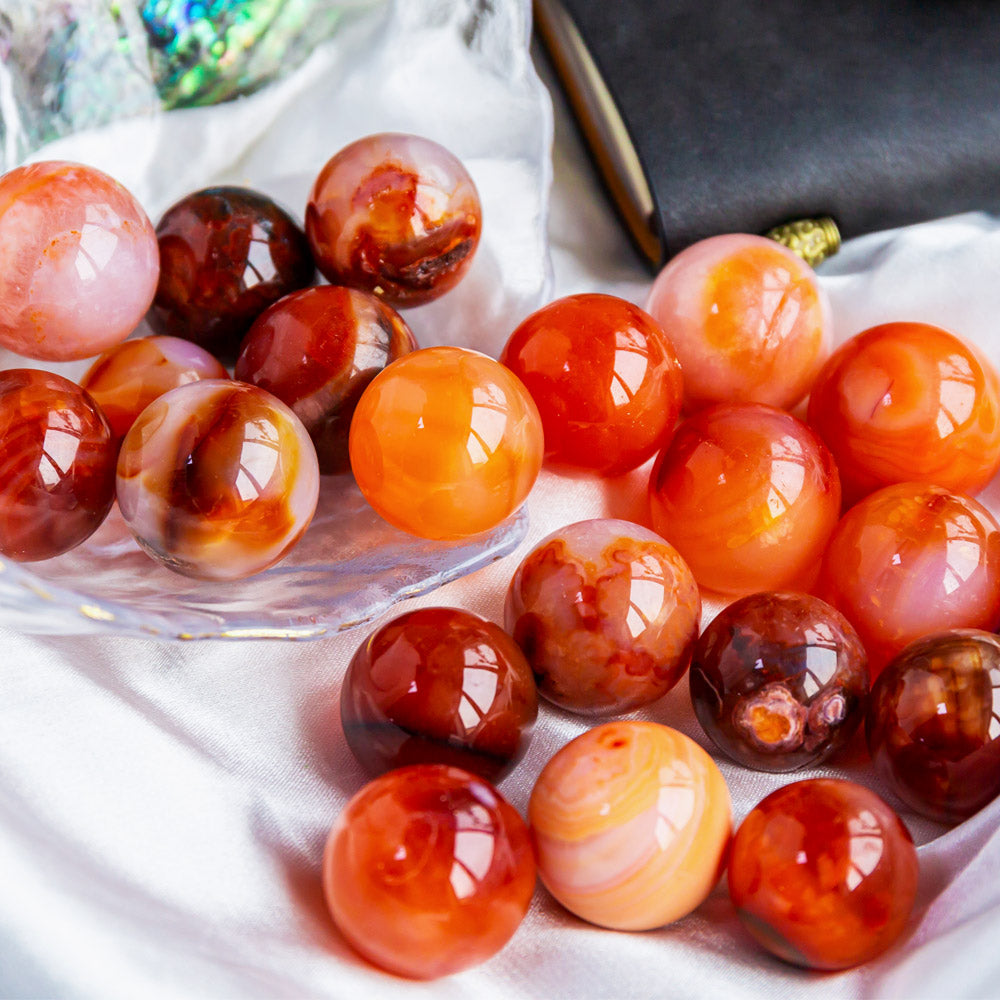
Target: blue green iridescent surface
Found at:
x=205, y=51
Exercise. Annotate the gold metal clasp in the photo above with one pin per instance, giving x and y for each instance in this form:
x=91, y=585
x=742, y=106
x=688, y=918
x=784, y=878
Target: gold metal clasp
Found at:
x=812, y=239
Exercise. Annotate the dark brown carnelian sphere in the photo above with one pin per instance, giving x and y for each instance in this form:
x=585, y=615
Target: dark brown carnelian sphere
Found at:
x=605, y=379
x=932, y=724
x=439, y=685
x=57, y=466
x=226, y=254
x=316, y=350
x=779, y=681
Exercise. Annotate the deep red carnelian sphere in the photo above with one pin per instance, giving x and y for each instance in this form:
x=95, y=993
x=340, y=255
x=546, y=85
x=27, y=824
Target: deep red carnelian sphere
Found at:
x=911, y=559
x=605, y=379
x=908, y=402
x=226, y=254
x=439, y=686
x=823, y=874
x=748, y=495
x=932, y=724
x=316, y=350
x=57, y=467
x=428, y=871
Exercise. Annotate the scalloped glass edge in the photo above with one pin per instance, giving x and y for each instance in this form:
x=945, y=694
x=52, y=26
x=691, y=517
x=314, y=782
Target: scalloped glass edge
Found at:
x=349, y=567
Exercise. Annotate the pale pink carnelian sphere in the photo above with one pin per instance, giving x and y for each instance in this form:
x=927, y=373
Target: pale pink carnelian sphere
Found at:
x=748, y=319
x=631, y=822
x=908, y=402
x=748, y=495
x=911, y=559
x=80, y=261
x=428, y=871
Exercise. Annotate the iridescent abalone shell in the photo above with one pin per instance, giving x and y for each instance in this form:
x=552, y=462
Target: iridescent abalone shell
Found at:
x=226, y=254
x=79, y=261
x=57, y=465
x=395, y=214
x=631, y=822
x=217, y=479
x=126, y=378
x=316, y=350
x=428, y=871
x=607, y=613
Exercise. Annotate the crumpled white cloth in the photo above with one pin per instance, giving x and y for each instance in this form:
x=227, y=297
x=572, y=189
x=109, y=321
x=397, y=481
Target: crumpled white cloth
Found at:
x=163, y=807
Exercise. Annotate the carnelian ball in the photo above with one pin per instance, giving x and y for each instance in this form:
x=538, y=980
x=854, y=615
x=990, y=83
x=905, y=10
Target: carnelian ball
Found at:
x=748, y=495
x=396, y=215
x=631, y=822
x=605, y=378
x=607, y=613
x=823, y=874
x=445, y=443
x=932, y=724
x=428, y=871
x=911, y=559
x=908, y=402
x=748, y=318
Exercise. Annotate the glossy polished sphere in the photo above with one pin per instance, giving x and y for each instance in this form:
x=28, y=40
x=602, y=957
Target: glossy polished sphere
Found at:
x=748, y=318
x=428, y=871
x=126, y=378
x=317, y=350
x=779, y=681
x=823, y=874
x=605, y=379
x=908, y=402
x=439, y=686
x=748, y=495
x=606, y=613
x=217, y=480
x=394, y=214
x=932, y=725
x=226, y=254
x=631, y=822
x=57, y=465
x=911, y=559
x=79, y=261
x=445, y=443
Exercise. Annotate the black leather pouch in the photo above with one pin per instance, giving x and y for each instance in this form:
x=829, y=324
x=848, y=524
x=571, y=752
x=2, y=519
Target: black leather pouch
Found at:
x=740, y=115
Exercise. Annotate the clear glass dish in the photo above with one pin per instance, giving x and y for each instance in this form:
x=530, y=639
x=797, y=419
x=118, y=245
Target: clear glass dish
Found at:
x=348, y=568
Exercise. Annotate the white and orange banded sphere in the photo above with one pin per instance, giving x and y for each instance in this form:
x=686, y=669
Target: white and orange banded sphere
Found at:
x=632, y=822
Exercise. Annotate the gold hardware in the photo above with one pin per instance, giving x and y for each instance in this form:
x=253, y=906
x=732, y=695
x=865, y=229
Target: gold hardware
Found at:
x=811, y=239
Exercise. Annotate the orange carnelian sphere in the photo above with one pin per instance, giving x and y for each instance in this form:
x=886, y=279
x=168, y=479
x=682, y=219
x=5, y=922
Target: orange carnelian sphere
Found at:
x=445, y=443
x=748, y=495
x=908, y=402
x=911, y=559
x=748, y=318
x=605, y=378
x=823, y=874
x=428, y=871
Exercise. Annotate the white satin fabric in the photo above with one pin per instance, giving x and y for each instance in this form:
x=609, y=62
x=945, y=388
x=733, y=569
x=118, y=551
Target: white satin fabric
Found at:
x=163, y=807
